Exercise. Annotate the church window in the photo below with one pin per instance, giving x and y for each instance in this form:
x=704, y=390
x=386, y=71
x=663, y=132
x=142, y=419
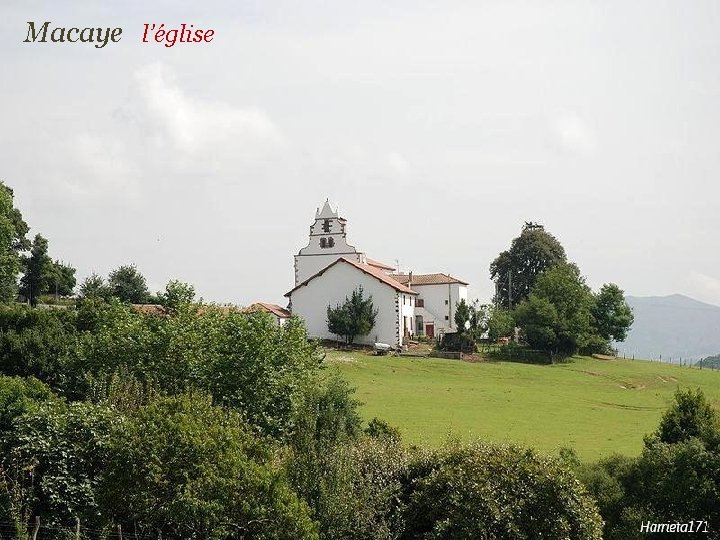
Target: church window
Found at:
x=326, y=225
x=331, y=242
x=323, y=242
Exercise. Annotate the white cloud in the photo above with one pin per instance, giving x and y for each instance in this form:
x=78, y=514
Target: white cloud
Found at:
x=575, y=135
x=194, y=126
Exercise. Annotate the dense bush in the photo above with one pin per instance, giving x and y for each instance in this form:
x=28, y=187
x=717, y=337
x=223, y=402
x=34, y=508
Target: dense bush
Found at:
x=178, y=467
x=675, y=479
x=183, y=468
x=37, y=342
x=245, y=361
x=485, y=491
x=359, y=492
x=457, y=342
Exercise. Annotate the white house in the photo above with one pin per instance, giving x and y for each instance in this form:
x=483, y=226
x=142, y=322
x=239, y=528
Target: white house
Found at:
x=328, y=269
x=438, y=297
x=331, y=285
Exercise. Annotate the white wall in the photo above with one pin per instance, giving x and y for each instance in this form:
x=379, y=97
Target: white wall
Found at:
x=311, y=301
x=407, y=309
x=308, y=265
x=441, y=300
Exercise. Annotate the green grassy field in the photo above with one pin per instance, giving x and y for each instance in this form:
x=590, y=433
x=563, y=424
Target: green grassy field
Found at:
x=597, y=407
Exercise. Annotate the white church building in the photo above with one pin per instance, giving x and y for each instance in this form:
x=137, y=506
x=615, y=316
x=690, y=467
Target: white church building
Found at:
x=328, y=269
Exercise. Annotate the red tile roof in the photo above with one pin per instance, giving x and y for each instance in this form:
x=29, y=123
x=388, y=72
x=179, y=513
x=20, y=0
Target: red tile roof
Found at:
x=151, y=309
x=378, y=264
x=270, y=308
x=368, y=269
x=427, y=279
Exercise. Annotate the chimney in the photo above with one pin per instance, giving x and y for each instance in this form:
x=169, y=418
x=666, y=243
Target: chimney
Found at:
x=410, y=280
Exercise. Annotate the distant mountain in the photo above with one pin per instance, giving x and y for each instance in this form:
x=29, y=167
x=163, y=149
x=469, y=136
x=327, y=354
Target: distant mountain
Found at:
x=674, y=326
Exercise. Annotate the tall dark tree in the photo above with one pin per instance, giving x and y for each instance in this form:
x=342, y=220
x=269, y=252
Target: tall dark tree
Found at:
x=13, y=241
x=462, y=315
x=516, y=270
x=37, y=268
x=356, y=317
x=612, y=316
x=128, y=284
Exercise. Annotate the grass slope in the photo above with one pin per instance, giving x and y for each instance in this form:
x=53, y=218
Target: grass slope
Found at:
x=598, y=407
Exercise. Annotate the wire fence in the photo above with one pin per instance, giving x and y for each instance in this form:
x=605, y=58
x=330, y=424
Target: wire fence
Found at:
x=37, y=530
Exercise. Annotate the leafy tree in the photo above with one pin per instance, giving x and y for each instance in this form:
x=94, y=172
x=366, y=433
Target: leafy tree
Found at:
x=478, y=319
x=37, y=268
x=129, y=285
x=462, y=315
x=608, y=481
x=13, y=241
x=37, y=343
x=60, y=279
x=184, y=468
x=691, y=415
x=500, y=323
x=540, y=323
x=94, y=286
x=515, y=270
x=64, y=449
x=557, y=315
x=18, y=397
x=358, y=490
x=612, y=317
x=327, y=422
x=675, y=479
x=487, y=491
x=356, y=317
x=177, y=294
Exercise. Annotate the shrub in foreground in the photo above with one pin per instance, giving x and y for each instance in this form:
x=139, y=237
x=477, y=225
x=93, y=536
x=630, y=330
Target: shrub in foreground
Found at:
x=486, y=491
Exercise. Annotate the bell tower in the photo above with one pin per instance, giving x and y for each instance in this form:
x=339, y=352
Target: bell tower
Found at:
x=327, y=244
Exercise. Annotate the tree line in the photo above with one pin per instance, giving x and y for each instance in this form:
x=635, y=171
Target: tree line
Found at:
x=545, y=299
x=204, y=422
x=199, y=421
x=28, y=272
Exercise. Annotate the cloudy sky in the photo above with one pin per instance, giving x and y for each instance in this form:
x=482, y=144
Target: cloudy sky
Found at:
x=437, y=127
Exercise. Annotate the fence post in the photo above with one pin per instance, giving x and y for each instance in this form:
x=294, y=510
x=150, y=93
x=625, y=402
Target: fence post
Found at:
x=120, y=531
x=37, y=527
x=77, y=528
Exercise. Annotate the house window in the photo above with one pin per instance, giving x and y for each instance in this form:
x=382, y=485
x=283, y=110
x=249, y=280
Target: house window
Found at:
x=446, y=317
x=420, y=302
x=446, y=302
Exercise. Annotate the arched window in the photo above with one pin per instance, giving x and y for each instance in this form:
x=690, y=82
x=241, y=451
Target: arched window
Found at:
x=323, y=243
x=331, y=242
